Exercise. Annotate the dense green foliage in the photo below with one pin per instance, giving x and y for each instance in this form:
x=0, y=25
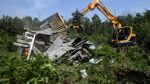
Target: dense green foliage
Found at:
x=129, y=67
x=114, y=68
x=10, y=27
x=19, y=71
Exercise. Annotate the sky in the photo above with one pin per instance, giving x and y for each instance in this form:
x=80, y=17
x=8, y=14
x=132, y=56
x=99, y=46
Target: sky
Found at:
x=44, y=8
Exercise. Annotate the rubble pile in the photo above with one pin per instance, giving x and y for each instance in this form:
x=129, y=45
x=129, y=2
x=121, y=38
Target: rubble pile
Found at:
x=81, y=49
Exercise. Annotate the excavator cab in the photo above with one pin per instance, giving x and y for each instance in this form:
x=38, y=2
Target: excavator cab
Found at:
x=123, y=37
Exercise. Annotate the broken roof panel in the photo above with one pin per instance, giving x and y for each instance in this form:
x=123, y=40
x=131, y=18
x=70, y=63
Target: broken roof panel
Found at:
x=58, y=48
x=56, y=22
x=46, y=32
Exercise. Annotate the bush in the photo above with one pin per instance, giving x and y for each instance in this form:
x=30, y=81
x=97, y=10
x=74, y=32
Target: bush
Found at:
x=19, y=71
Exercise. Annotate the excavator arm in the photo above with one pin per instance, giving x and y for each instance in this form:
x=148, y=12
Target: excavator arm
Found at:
x=90, y=7
x=104, y=10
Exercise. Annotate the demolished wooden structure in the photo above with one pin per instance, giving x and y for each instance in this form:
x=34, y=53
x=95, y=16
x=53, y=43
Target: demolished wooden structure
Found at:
x=52, y=41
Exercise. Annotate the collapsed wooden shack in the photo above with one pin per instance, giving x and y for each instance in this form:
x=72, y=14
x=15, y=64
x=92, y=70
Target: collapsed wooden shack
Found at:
x=51, y=40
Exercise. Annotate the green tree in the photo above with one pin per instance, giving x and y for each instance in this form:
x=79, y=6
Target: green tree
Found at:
x=147, y=15
x=142, y=30
x=18, y=25
x=6, y=23
x=126, y=20
x=87, y=26
x=96, y=24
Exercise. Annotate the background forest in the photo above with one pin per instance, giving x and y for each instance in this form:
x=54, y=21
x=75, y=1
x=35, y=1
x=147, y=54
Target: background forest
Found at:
x=131, y=66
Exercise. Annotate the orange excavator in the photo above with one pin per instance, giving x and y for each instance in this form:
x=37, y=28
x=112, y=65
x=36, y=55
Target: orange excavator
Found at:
x=122, y=36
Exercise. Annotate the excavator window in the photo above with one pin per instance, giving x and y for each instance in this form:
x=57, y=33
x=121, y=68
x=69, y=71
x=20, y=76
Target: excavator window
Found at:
x=121, y=34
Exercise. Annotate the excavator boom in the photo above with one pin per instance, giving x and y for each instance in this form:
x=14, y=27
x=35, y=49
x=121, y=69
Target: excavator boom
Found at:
x=104, y=10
